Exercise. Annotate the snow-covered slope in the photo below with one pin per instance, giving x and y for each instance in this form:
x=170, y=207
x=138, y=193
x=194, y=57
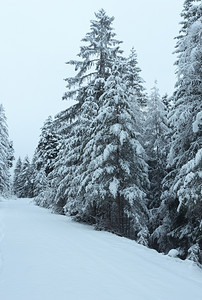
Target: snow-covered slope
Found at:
x=49, y=257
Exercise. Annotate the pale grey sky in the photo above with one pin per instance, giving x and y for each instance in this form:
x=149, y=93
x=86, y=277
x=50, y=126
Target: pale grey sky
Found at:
x=39, y=36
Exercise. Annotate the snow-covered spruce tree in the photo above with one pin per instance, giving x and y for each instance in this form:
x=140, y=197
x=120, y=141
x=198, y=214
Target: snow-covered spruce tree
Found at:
x=133, y=79
x=25, y=183
x=115, y=180
x=6, y=155
x=79, y=149
x=134, y=84
x=16, y=177
x=156, y=141
x=43, y=161
x=85, y=87
x=47, y=147
x=181, y=208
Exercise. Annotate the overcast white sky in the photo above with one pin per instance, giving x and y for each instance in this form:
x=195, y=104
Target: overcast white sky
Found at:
x=39, y=36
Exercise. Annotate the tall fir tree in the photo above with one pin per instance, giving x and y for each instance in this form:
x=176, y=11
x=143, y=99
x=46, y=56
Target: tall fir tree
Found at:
x=156, y=141
x=85, y=87
x=113, y=177
x=181, y=207
x=100, y=175
x=119, y=175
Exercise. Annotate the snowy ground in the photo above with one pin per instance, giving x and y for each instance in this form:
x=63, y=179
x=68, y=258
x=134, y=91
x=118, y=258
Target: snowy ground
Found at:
x=49, y=257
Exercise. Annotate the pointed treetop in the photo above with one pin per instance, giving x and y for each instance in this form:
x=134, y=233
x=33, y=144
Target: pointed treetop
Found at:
x=96, y=58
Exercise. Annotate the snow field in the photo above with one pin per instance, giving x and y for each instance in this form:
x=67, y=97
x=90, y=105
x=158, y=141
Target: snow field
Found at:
x=49, y=257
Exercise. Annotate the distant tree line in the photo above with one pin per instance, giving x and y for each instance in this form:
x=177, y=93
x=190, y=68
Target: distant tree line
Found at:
x=120, y=159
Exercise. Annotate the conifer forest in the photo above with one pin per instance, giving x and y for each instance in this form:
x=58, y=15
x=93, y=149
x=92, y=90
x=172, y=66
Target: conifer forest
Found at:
x=122, y=159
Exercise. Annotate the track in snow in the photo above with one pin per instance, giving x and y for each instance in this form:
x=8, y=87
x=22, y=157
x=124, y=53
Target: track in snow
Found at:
x=49, y=257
